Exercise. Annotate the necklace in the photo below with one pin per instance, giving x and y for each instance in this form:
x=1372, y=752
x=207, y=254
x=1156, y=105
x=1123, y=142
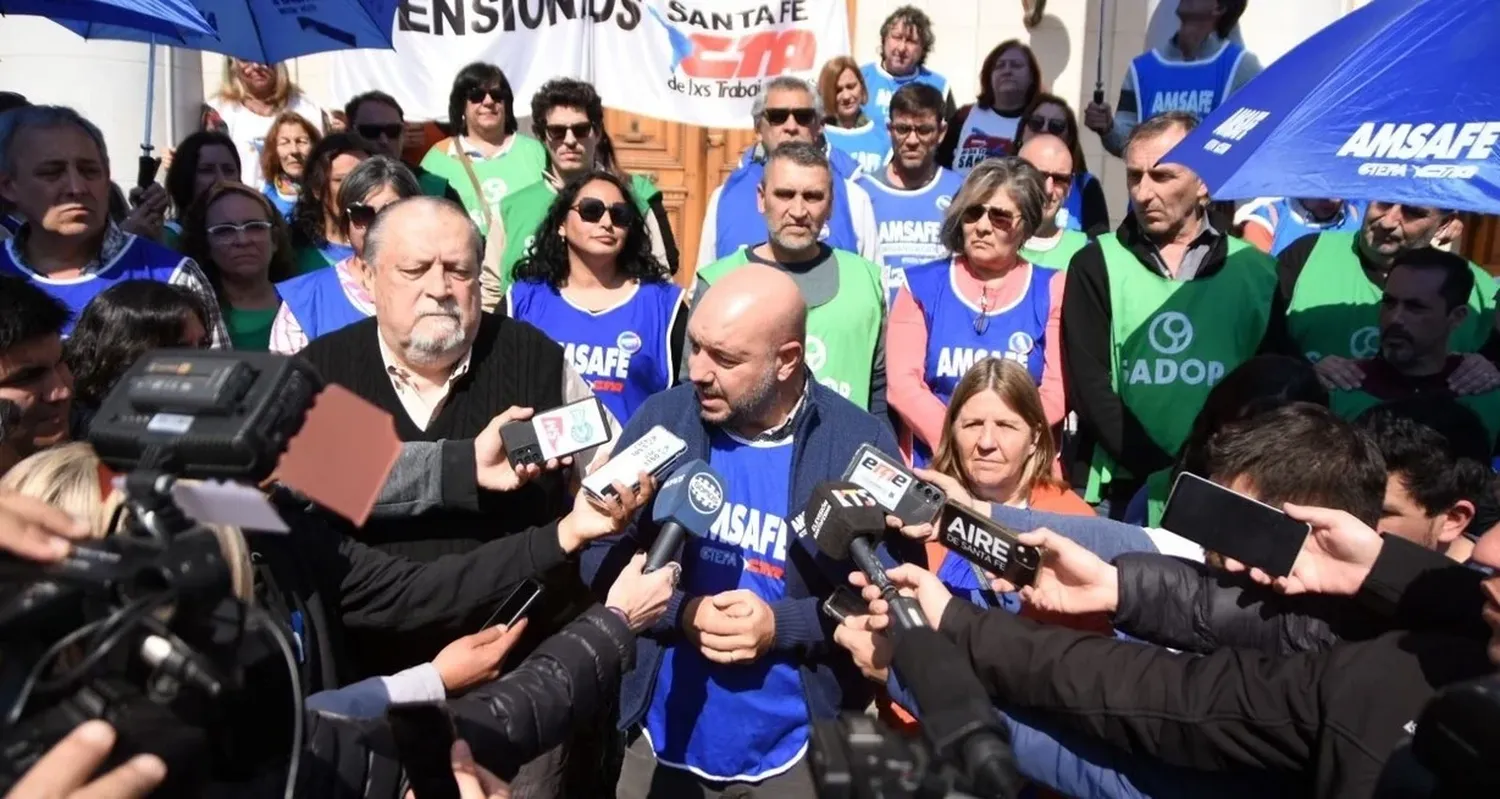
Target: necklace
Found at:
x=982, y=321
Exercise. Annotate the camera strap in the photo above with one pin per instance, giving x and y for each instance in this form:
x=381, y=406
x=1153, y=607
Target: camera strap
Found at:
x=269, y=593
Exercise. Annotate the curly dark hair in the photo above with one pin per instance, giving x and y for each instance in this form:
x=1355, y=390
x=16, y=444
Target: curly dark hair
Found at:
x=195, y=236
x=914, y=18
x=122, y=323
x=547, y=260
x=182, y=175
x=309, y=215
x=570, y=93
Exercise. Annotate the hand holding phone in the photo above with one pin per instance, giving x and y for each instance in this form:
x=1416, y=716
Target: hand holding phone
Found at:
x=556, y=433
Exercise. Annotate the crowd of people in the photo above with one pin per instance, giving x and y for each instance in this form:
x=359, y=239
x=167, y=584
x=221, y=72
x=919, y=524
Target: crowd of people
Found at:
x=885, y=268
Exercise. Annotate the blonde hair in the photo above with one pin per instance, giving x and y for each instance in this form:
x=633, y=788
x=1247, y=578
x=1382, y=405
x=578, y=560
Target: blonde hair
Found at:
x=828, y=85
x=232, y=89
x=68, y=478
x=1013, y=384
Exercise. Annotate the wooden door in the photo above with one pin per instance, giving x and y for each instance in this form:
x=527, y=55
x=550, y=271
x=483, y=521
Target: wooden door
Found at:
x=1482, y=241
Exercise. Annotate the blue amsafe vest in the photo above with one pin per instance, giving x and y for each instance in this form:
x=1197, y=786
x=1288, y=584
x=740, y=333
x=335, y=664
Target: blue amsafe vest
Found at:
x=1017, y=332
x=318, y=302
x=746, y=721
x=869, y=144
x=910, y=223
x=139, y=259
x=741, y=224
x=1070, y=216
x=1197, y=87
x=882, y=86
x=624, y=352
x=1291, y=224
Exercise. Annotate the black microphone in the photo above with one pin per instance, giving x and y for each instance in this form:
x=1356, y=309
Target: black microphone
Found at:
x=687, y=502
x=843, y=518
x=957, y=717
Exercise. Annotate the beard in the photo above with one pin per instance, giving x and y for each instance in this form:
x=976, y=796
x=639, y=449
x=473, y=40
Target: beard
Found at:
x=747, y=407
x=438, y=334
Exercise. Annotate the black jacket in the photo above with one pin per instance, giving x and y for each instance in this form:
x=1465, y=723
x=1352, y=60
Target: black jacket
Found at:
x=1324, y=721
x=1104, y=421
x=1193, y=608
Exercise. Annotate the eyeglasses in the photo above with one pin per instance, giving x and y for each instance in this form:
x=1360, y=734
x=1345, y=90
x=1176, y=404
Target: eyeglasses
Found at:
x=1059, y=178
x=477, y=95
x=391, y=131
x=227, y=232
x=778, y=116
x=580, y=131
x=361, y=214
x=592, y=209
x=901, y=130
x=1000, y=218
x=1056, y=127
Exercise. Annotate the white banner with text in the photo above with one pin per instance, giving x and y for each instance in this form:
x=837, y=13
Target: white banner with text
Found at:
x=701, y=62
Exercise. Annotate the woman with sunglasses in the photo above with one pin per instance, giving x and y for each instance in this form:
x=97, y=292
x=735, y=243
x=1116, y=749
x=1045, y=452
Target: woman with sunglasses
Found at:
x=592, y=283
x=984, y=301
x=284, y=160
x=568, y=116
x=1085, y=209
x=986, y=128
x=200, y=160
x=328, y=299
x=243, y=246
x=842, y=87
x=485, y=158
x=317, y=226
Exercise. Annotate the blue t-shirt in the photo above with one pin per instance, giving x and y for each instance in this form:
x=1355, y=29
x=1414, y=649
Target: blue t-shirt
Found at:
x=624, y=351
x=1292, y=224
x=744, y=721
x=739, y=222
x=869, y=144
x=282, y=202
x=910, y=222
x=882, y=86
x=1017, y=332
x=139, y=259
x=1196, y=87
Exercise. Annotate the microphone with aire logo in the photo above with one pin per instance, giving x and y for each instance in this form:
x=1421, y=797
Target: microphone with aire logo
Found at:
x=687, y=502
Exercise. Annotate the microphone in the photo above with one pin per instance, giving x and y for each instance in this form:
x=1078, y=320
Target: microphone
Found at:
x=957, y=717
x=843, y=518
x=687, y=502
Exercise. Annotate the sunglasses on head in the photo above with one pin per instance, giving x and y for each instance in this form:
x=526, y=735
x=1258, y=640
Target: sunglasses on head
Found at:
x=580, y=130
x=1056, y=127
x=361, y=214
x=1000, y=219
x=592, y=209
x=476, y=96
x=372, y=132
x=778, y=116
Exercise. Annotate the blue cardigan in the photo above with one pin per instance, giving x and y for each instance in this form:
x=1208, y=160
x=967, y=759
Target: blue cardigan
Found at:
x=829, y=430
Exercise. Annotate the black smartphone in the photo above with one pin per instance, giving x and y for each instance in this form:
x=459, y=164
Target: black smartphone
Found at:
x=424, y=735
x=557, y=433
x=988, y=544
x=843, y=603
x=892, y=485
x=515, y=606
x=1234, y=525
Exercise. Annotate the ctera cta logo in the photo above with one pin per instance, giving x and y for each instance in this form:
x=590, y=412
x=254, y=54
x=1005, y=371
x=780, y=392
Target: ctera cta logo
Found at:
x=739, y=45
x=1451, y=150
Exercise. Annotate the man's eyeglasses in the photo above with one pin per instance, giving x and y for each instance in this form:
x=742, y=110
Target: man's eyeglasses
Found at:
x=476, y=96
x=395, y=130
x=255, y=228
x=580, y=131
x=592, y=209
x=1059, y=178
x=901, y=130
x=361, y=214
x=1000, y=218
x=778, y=116
x=1056, y=127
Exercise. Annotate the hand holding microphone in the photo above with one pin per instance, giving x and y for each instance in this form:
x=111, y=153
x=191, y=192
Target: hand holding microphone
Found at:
x=844, y=520
x=688, y=502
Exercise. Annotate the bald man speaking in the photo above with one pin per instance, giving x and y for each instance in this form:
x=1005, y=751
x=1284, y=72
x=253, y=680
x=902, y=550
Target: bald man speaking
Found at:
x=726, y=686
x=1051, y=245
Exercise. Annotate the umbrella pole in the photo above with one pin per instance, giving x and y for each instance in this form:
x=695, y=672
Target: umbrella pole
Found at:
x=1099, y=61
x=146, y=170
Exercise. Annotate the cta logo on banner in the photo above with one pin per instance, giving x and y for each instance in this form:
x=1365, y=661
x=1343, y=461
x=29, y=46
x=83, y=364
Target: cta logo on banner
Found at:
x=702, y=62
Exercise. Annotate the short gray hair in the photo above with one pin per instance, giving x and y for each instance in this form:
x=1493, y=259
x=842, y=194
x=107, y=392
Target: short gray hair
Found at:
x=783, y=83
x=373, y=174
x=1022, y=181
x=42, y=117
x=376, y=234
x=801, y=153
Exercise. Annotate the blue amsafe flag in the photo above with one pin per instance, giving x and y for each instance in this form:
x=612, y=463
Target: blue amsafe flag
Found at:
x=1398, y=101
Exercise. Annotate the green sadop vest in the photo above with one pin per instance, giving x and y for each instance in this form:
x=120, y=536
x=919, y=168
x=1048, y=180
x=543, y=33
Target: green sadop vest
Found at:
x=1058, y=257
x=520, y=166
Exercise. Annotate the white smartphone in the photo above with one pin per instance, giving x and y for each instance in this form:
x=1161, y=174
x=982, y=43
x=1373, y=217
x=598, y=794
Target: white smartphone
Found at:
x=653, y=453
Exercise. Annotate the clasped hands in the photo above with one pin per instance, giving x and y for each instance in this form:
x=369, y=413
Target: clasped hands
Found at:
x=730, y=627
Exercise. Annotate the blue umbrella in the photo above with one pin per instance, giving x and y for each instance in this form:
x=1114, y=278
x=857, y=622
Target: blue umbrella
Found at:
x=1398, y=101
x=168, y=17
x=268, y=31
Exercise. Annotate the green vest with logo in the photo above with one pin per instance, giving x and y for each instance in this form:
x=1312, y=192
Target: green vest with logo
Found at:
x=1172, y=340
x=1058, y=257
x=1350, y=404
x=841, y=333
x=520, y=166
x=1335, y=309
x=522, y=212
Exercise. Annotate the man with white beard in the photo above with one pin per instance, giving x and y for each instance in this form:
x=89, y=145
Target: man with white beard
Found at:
x=443, y=369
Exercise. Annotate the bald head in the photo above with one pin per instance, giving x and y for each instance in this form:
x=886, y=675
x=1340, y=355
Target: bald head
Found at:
x=1051, y=157
x=746, y=341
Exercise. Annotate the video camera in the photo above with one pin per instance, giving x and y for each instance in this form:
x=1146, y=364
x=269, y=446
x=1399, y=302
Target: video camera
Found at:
x=858, y=757
x=140, y=629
